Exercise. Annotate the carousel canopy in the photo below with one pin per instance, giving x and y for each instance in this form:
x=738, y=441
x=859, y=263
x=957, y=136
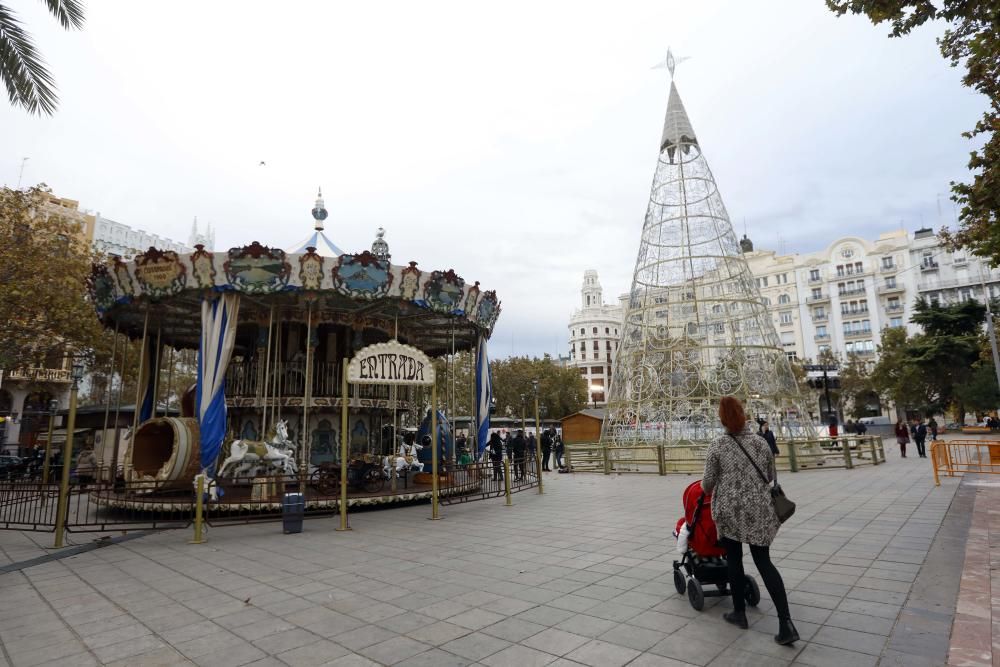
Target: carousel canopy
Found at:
x=427, y=309
x=320, y=242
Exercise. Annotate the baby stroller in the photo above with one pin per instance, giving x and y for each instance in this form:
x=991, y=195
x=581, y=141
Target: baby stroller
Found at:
x=703, y=561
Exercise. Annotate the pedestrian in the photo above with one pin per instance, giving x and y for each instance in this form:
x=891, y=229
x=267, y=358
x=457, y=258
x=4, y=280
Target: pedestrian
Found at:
x=919, y=437
x=744, y=511
x=902, y=437
x=849, y=427
x=460, y=443
x=86, y=465
x=557, y=441
x=546, y=449
x=532, y=447
x=862, y=427
x=517, y=448
x=933, y=426
x=495, y=448
x=765, y=432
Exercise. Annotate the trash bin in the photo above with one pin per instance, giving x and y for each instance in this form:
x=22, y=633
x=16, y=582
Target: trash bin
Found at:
x=293, y=509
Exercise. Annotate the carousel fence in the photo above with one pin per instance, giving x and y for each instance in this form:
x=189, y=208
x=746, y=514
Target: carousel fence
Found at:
x=843, y=452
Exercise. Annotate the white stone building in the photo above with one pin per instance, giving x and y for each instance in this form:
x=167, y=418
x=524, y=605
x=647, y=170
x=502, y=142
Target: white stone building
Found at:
x=115, y=238
x=840, y=299
x=593, y=338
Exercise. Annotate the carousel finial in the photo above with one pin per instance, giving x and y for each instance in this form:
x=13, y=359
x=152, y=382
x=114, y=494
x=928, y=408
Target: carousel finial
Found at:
x=319, y=212
x=379, y=247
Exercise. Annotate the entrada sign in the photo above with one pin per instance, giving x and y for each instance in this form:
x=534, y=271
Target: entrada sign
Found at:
x=390, y=363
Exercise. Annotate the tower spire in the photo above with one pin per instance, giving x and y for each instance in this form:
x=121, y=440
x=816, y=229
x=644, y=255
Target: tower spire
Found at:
x=319, y=212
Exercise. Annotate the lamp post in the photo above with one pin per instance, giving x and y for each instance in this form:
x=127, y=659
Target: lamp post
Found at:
x=67, y=457
x=53, y=407
x=538, y=439
x=524, y=401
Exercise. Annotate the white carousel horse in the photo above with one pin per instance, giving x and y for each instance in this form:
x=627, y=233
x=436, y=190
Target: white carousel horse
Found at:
x=405, y=458
x=276, y=456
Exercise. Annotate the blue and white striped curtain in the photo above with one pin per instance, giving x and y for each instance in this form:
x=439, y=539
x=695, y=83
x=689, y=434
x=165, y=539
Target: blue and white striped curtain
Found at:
x=484, y=396
x=218, y=336
x=150, y=363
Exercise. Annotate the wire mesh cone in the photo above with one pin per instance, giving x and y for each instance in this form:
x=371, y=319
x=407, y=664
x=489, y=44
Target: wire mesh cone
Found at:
x=695, y=325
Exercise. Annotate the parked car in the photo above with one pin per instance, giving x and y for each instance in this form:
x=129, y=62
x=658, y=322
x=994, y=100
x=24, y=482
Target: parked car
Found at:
x=11, y=467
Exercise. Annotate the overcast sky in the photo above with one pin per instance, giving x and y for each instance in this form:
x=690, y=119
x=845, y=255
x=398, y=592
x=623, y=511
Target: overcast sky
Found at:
x=513, y=142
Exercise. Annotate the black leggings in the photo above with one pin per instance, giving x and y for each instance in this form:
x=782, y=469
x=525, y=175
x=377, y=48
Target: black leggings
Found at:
x=768, y=572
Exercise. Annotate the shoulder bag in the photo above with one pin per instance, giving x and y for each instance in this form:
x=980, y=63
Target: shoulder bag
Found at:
x=783, y=507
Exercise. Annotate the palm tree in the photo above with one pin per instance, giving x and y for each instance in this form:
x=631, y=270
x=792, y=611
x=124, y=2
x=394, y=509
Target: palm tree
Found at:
x=29, y=83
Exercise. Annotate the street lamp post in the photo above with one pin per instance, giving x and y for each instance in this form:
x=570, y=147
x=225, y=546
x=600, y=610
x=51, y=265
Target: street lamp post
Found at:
x=538, y=439
x=53, y=407
x=67, y=457
x=524, y=401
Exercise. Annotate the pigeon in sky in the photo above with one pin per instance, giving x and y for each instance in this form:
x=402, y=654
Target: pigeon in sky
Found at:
x=262, y=164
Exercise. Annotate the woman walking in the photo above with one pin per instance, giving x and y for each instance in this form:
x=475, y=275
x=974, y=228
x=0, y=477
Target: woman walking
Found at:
x=902, y=437
x=743, y=511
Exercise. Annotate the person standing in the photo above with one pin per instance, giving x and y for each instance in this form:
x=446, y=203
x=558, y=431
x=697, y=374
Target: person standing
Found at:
x=86, y=466
x=919, y=437
x=517, y=448
x=902, y=437
x=557, y=440
x=768, y=435
x=495, y=449
x=933, y=426
x=546, y=449
x=744, y=512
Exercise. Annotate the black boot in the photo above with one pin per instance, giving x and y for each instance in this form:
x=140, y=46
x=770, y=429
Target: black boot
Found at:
x=737, y=618
x=787, y=634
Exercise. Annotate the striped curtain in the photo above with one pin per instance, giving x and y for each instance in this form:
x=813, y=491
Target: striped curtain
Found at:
x=484, y=396
x=218, y=335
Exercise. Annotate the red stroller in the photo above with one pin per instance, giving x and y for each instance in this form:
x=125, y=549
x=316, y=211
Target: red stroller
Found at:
x=704, y=561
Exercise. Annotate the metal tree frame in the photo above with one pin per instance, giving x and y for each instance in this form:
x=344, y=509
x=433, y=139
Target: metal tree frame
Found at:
x=695, y=325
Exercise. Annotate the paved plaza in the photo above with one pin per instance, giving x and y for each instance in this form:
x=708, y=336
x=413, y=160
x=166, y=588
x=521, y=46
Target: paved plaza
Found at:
x=578, y=576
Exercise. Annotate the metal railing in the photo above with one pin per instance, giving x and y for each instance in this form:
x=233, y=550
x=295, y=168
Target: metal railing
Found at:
x=958, y=457
x=662, y=458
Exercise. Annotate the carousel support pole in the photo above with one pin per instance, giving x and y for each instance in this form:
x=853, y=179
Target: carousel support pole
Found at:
x=473, y=436
x=267, y=375
x=506, y=480
x=170, y=381
x=62, y=508
x=156, y=369
x=304, y=456
x=138, y=383
x=107, y=403
x=434, y=454
x=118, y=408
x=538, y=443
x=343, y=447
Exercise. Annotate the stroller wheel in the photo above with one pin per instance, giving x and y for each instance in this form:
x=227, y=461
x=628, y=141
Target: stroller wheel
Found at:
x=679, y=582
x=751, y=591
x=696, y=596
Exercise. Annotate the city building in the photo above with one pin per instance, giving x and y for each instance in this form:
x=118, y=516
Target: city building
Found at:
x=593, y=338
x=115, y=238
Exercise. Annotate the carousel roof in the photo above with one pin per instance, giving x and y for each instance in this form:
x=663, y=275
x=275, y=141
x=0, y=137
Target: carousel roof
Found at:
x=320, y=242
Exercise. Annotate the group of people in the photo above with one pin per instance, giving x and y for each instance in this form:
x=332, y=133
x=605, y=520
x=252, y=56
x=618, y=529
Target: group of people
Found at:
x=917, y=430
x=855, y=428
x=520, y=449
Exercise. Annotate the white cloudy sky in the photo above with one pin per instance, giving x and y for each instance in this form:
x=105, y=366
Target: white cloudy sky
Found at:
x=513, y=142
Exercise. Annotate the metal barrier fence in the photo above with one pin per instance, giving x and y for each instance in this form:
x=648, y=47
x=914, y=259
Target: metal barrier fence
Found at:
x=662, y=458
x=957, y=457
x=103, y=505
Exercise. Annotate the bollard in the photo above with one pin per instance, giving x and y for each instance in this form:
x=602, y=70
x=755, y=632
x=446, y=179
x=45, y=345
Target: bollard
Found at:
x=875, y=460
x=935, y=445
x=607, y=459
x=848, y=463
x=199, y=505
x=793, y=462
x=506, y=481
x=661, y=458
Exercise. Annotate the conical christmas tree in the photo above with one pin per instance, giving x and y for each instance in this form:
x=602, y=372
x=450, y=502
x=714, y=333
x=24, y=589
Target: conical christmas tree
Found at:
x=695, y=325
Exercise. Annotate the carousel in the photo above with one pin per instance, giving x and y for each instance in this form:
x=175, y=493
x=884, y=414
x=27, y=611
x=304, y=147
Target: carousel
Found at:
x=313, y=365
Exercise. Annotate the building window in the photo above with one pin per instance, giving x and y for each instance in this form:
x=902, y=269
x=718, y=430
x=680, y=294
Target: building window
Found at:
x=583, y=332
x=840, y=271
x=597, y=370
x=607, y=347
x=859, y=267
x=583, y=371
x=821, y=331
x=823, y=349
x=894, y=303
x=819, y=313
x=766, y=301
x=784, y=298
x=887, y=263
x=814, y=274
x=596, y=346
x=895, y=322
x=583, y=354
x=890, y=282
x=786, y=318
x=816, y=293
x=595, y=331
x=607, y=331
x=966, y=294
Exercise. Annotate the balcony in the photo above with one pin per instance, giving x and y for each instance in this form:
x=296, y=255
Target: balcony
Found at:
x=891, y=268
x=818, y=299
x=39, y=375
x=816, y=280
x=858, y=333
x=820, y=336
x=928, y=266
x=894, y=308
x=786, y=324
x=853, y=292
x=862, y=353
x=887, y=289
x=820, y=318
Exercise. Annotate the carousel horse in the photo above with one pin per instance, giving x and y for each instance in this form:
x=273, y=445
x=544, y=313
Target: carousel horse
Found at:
x=275, y=455
x=405, y=458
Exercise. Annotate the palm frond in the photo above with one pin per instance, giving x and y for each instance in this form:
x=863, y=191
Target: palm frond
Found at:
x=27, y=80
x=69, y=12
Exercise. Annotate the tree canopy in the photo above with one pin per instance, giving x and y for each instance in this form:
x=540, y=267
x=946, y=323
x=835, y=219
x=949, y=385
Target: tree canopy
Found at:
x=28, y=81
x=45, y=312
x=972, y=39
